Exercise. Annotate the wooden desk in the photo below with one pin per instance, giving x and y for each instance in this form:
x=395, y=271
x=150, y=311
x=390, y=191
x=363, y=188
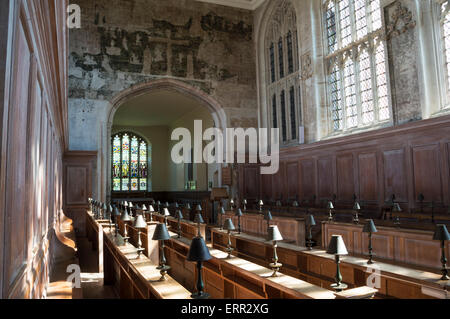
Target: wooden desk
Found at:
x=137, y=278
x=319, y=268
x=188, y=229
x=293, y=229
x=94, y=232
x=237, y=278
x=408, y=246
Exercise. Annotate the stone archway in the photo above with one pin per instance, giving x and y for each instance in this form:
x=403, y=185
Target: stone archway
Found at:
x=216, y=110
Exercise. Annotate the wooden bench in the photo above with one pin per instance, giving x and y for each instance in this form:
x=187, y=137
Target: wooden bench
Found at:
x=319, y=268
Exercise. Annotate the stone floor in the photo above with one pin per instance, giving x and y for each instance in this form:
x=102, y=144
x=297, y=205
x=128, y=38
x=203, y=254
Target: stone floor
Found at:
x=91, y=280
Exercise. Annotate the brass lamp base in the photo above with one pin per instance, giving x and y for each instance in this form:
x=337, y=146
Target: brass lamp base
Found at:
x=139, y=252
x=339, y=287
x=309, y=244
x=229, y=251
x=125, y=239
x=163, y=272
x=275, y=267
x=201, y=295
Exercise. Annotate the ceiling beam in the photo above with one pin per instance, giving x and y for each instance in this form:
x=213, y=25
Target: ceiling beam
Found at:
x=242, y=4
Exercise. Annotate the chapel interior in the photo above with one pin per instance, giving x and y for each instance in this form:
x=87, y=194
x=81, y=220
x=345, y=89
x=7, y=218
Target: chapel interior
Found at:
x=93, y=204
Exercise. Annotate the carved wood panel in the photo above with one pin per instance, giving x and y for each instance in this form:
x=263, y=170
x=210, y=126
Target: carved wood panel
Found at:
x=250, y=182
x=307, y=179
x=325, y=177
x=345, y=177
x=292, y=180
x=395, y=175
x=427, y=177
x=16, y=215
x=368, y=177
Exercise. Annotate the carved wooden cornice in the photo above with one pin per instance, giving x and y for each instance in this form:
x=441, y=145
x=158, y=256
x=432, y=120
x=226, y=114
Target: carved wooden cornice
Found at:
x=401, y=21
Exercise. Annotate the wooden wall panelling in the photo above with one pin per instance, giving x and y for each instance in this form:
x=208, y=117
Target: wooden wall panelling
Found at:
x=78, y=167
x=266, y=186
x=394, y=167
x=292, y=176
x=368, y=177
x=307, y=179
x=279, y=183
x=251, y=187
x=345, y=177
x=426, y=171
x=15, y=221
x=325, y=178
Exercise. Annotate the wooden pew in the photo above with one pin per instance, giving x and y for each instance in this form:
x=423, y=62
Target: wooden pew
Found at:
x=293, y=229
x=397, y=245
x=188, y=228
x=237, y=278
x=319, y=268
x=137, y=278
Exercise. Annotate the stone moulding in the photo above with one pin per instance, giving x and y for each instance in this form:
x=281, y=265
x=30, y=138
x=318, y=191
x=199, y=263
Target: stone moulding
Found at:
x=401, y=21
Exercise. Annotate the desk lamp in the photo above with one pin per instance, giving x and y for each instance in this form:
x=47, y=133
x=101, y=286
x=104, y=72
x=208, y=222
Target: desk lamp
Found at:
x=116, y=216
x=221, y=214
x=268, y=218
x=228, y=226
x=139, y=223
x=441, y=233
x=179, y=217
x=239, y=215
x=198, y=252
x=337, y=248
x=165, y=214
x=396, y=209
x=310, y=222
x=330, y=208
x=151, y=210
x=370, y=228
x=125, y=218
x=199, y=220
x=274, y=236
x=244, y=202
x=161, y=234
x=356, y=208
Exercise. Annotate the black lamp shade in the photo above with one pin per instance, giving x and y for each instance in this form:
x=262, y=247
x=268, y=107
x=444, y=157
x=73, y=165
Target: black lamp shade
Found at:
x=337, y=246
x=151, y=209
x=273, y=233
x=268, y=215
x=188, y=206
x=330, y=205
x=125, y=216
x=369, y=227
x=310, y=221
x=176, y=205
x=260, y=202
x=179, y=215
x=294, y=203
x=222, y=211
x=441, y=233
x=161, y=232
x=238, y=212
x=139, y=222
x=166, y=204
x=228, y=225
x=356, y=206
x=199, y=219
x=244, y=202
x=158, y=203
x=198, y=208
x=396, y=208
x=116, y=211
x=130, y=205
x=104, y=206
x=198, y=250
x=144, y=208
x=125, y=204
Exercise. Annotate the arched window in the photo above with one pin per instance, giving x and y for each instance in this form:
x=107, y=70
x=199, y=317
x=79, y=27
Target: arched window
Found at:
x=357, y=68
x=130, y=163
x=283, y=76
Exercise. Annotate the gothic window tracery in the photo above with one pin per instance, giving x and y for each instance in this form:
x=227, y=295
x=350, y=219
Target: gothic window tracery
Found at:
x=130, y=158
x=357, y=68
x=283, y=80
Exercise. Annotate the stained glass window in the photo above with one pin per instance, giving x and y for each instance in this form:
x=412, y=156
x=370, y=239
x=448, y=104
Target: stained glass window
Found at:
x=357, y=77
x=129, y=163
